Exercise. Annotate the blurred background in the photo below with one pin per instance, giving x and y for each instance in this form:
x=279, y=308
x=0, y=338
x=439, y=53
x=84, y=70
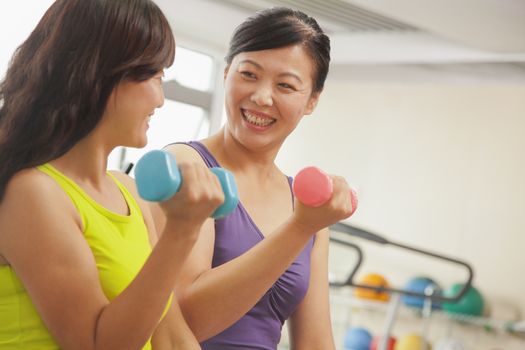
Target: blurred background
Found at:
x=424, y=114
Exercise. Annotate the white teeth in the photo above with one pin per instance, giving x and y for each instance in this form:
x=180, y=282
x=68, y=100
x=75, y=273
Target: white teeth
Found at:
x=257, y=120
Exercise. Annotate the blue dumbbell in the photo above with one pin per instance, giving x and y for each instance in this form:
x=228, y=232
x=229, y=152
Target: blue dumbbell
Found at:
x=158, y=179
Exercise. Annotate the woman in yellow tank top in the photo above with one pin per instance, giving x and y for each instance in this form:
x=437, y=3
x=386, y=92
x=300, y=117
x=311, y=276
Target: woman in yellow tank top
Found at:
x=77, y=267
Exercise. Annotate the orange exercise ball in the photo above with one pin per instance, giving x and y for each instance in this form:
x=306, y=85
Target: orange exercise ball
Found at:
x=376, y=280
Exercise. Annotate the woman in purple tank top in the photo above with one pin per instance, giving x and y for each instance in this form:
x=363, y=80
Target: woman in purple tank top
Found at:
x=266, y=262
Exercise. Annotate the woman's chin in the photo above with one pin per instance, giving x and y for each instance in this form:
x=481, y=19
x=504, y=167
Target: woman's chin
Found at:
x=137, y=143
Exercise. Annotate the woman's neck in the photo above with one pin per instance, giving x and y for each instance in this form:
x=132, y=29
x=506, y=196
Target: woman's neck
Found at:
x=236, y=157
x=86, y=162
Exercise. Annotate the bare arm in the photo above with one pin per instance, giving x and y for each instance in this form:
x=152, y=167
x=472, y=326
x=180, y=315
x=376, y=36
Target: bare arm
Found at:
x=218, y=297
x=173, y=332
x=213, y=299
x=314, y=308
x=45, y=246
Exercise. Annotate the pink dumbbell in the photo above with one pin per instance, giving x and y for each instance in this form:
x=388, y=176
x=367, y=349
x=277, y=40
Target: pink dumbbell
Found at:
x=313, y=187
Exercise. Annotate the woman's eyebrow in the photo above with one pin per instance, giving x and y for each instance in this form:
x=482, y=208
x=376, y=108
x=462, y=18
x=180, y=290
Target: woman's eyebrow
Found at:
x=287, y=74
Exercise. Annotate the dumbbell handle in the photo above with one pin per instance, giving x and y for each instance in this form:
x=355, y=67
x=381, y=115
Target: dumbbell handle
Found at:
x=313, y=187
x=158, y=178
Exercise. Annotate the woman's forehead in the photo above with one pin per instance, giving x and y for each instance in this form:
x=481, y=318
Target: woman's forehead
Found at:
x=289, y=58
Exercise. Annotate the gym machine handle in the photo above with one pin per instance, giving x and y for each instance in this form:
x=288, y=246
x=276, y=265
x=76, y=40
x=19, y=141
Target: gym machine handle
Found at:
x=357, y=232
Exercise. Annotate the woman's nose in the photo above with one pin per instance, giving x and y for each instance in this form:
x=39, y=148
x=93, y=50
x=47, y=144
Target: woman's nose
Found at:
x=160, y=101
x=262, y=96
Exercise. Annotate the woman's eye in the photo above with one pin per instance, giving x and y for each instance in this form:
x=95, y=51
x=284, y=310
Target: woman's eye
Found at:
x=247, y=74
x=286, y=86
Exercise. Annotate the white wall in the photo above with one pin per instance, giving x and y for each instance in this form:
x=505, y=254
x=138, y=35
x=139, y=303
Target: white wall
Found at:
x=16, y=23
x=438, y=167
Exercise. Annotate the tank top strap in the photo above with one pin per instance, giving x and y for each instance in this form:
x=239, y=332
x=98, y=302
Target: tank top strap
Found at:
x=132, y=203
x=210, y=160
x=205, y=154
x=80, y=198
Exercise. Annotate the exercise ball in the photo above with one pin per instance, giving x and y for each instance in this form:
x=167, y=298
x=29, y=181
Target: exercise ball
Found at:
x=357, y=338
x=376, y=280
x=411, y=342
x=376, y=342
x=471, y=303
x=420, y=285
x=449, y=344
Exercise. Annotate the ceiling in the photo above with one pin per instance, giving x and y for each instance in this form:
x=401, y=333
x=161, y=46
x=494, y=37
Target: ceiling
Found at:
x=472, y=41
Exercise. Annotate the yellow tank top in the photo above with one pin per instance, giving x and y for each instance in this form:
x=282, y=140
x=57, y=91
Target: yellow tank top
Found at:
x=119, y=244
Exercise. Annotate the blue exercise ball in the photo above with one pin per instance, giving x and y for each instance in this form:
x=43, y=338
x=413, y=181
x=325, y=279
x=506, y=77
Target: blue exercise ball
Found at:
x=357, y=338
x=420, y=285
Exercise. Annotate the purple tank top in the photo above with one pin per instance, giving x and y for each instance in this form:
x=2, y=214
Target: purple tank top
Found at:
x=260, y=328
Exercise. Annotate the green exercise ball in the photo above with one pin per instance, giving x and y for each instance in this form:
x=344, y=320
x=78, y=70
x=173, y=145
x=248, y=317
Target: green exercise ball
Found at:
x=471, y=303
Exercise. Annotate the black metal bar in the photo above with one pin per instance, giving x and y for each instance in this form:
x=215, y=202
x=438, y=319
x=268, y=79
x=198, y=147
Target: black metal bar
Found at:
x=128, y=168
x=357, y=232
x=357, y=265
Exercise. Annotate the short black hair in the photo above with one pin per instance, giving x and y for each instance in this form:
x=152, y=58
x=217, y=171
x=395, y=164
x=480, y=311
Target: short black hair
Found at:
x=278, y=27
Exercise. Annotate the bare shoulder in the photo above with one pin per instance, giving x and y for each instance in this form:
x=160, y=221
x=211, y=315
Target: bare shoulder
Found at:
x=31, y=190
x=29, y=179
x=184, y=153
x=42, y=240
x=127, y=181
x=35, y=206
x=28, y=194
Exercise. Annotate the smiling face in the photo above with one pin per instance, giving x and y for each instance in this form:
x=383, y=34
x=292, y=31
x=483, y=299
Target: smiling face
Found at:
x=130, y=108
x=267, y=94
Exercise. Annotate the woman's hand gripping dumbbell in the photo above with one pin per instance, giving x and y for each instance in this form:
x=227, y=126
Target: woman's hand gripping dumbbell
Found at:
x=313, y=188
x=158, y=178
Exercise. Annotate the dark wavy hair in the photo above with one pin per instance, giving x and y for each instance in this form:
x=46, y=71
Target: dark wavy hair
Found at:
x=59, y=80
x=278, y=27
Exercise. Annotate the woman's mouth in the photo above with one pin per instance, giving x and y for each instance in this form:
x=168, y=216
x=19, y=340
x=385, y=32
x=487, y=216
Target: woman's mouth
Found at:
x=256, y=119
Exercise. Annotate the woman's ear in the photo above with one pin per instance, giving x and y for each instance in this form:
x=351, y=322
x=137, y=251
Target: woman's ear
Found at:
x=312, y=102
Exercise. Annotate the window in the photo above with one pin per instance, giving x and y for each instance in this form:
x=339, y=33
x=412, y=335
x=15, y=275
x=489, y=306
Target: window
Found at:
x=185, y=115
x=173, y=122
x=192, y=69
x=17, y=20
